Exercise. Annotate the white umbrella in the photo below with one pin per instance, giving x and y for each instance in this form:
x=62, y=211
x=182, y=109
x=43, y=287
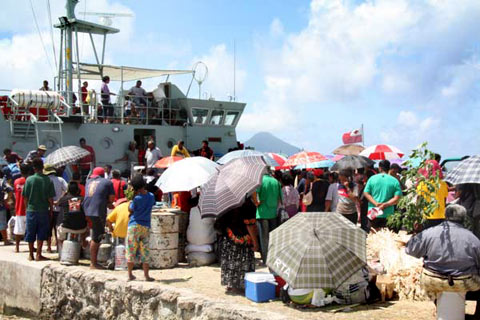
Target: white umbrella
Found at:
x=186, y=174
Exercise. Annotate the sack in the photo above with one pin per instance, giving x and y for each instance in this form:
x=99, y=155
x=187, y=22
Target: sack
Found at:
x=198, y=248
x=308, y=198
x=200, y=231
x=198, y=259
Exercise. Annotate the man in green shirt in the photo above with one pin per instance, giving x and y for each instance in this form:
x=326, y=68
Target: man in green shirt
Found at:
x=38, y=193
x=382, y=191
x=267, y=198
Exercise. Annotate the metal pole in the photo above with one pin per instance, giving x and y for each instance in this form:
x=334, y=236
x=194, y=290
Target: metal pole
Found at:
x=363, y=137
x=121, y=94
x=68, y=50
x=60, y=62
x=79, y=97
x=234, y=67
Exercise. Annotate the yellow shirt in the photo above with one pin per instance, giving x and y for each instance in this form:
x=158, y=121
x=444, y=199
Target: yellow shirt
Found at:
x=183, y=152
x=120, y=216
x=440, y=195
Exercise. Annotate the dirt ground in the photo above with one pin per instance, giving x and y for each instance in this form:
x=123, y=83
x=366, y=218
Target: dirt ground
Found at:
x=206, y=281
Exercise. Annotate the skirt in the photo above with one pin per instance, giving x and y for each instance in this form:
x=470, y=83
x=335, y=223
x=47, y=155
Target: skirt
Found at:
x=235, y=261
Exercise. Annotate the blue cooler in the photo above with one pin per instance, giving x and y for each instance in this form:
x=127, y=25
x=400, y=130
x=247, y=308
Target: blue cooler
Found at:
x=260, y=286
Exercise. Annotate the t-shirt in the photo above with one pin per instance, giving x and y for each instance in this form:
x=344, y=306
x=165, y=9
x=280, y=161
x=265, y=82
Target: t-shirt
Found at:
x=346, y=205
x=13, y=157
x=142, y=209
x=120, y=217
x=82, y=189
x=152, y=156
x=72, y=211
x=132, y=156
x=137, y=91
x=61, y=188
x=97, y=192
x=383, y=187
x=332, y=195
x=206, y=152
x=4, y=188
x=440, y=195
x=105, y=93
x=18, y=185
x=176, y=151
x=86, y=161
x=38, y=189
x=269, y=194
x=119, y=186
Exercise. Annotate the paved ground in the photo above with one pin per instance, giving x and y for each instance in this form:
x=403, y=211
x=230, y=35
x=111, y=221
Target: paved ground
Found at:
x=206, y=281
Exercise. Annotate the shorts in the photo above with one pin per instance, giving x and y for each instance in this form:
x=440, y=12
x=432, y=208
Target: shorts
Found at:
x=3, y=219
x=38, y=224
x=138, y=238
x=97, y=225
x=20, y=225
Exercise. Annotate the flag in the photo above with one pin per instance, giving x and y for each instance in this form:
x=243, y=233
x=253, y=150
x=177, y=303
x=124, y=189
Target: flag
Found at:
x=352, y=137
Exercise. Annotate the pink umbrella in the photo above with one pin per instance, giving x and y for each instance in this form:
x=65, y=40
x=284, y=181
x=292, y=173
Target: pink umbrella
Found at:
x=382, y=152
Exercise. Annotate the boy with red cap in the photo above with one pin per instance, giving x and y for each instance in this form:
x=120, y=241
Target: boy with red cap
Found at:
x=99, y=194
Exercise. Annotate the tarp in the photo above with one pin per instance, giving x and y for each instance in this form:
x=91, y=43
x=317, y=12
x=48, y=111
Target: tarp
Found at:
x=91, y=72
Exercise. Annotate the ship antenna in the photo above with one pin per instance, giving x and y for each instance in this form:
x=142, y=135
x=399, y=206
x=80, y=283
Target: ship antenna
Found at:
x=200, y=72
x=234, y=69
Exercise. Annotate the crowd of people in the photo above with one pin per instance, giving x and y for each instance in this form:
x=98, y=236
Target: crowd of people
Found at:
x=46, y=206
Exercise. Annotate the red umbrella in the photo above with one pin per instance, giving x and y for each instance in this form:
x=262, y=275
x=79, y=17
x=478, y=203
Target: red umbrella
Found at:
x=304, y=157
x=382, y=152
x=166, y=162
x=278, y=158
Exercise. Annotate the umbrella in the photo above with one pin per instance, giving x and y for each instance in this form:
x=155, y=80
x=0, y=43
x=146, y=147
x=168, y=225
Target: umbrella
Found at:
x=382, y=152
x=352, y=162
x=277, y=157
x=338, y=157
x=247, y=153
x=66, y=155
x=304, y=157
x=349, y=149
x=227, y=188
x=467, y=171
x=316, y=250
x=166, y=162
x=186, y=174
x=320, y=164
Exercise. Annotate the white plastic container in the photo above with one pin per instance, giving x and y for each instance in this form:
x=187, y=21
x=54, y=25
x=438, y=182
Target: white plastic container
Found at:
x=451, y=306
x=120, y=259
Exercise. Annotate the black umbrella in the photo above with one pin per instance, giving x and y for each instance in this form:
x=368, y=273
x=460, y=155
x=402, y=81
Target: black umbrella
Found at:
x=352, y=162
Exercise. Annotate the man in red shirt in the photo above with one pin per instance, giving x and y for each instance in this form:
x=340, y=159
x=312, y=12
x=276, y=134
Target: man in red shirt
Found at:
x=86, y=162
x=84, y=97
x=119, y=186
x=20, y=209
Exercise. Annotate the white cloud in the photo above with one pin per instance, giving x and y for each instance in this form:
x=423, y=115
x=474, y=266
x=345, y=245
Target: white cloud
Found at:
x=219, y=83
x=276, y=28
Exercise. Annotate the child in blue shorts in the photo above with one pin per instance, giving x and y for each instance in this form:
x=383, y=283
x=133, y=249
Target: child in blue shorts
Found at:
x=138, y=232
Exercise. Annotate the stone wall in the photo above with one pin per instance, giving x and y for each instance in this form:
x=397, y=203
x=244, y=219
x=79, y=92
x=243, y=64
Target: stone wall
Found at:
x=74, y=293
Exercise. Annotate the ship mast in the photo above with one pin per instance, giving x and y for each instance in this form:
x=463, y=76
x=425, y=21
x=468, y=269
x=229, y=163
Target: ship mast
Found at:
x=70, y=6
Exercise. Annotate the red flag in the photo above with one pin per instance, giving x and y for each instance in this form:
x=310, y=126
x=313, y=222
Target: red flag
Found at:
x=352, y=137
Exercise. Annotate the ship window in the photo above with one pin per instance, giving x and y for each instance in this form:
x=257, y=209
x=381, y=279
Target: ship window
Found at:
x=199, y=115
x=217, y=117
x=231, y=118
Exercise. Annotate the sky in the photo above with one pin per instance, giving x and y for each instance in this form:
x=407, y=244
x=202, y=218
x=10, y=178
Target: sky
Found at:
x=407, y=70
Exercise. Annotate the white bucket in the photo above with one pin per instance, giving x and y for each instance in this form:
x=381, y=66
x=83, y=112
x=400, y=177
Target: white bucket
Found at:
x=120, y=259
x=451, y=306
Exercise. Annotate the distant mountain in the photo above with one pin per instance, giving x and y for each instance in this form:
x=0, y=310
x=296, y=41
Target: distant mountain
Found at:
x=267, y=142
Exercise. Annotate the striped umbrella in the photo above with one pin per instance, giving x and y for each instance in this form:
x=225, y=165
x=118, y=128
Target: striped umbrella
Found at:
x=66, y=155
x=227, y=188
x=382, y=152
x=467, y=171
x=166, y=162
x=304, y=157
x=247, y=153
x=316, y=250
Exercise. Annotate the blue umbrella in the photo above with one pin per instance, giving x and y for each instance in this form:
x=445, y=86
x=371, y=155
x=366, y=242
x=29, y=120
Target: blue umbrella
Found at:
x=314, y=165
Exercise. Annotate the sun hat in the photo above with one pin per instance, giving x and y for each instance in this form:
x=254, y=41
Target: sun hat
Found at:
x=49, y=169
x=42, y=147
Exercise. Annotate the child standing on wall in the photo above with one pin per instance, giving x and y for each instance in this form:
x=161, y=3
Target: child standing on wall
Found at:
x=138, y=232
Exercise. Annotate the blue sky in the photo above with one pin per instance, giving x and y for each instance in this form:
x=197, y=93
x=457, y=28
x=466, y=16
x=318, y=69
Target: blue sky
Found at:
x=408, y=70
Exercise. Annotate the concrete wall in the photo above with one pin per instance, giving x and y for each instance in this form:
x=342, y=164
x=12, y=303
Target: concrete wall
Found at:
x=75, y=293
x=20, y=283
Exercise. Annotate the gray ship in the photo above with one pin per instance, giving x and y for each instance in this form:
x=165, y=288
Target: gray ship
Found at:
x=62, y=116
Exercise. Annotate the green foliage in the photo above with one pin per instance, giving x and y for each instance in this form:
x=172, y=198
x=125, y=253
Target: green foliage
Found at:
x=416, y=205
x=129, y=193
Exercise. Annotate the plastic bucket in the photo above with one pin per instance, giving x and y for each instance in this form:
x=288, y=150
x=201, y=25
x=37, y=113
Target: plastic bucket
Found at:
x=451, y=306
